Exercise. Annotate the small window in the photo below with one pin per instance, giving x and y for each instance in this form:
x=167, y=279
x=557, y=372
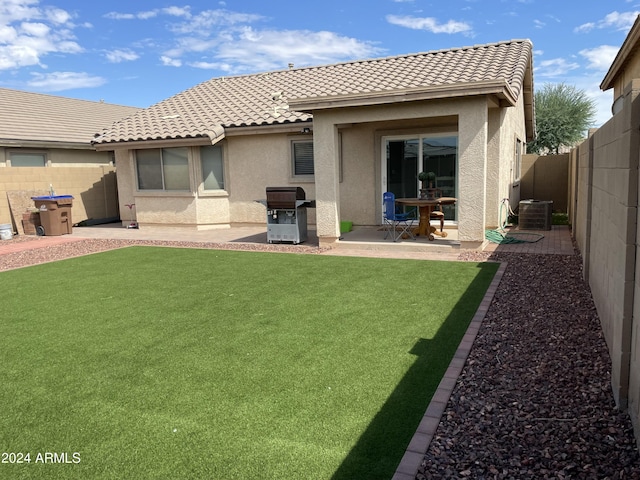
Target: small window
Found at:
x=163, y=169
x=302, y=152
x=517, y=161
x=27, y=159
x=212, y=167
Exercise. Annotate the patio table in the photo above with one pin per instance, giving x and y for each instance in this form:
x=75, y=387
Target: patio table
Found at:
x=425, y=207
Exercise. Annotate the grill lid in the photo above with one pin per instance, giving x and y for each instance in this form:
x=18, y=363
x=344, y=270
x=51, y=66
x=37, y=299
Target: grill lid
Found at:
x=284, y=197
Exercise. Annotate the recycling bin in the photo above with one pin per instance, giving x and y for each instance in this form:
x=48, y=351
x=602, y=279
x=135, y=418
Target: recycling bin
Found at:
x=55, y=214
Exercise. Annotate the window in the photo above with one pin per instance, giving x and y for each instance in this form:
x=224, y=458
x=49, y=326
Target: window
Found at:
x=163, y=169
x=302, y=153
x=212, y=168
x=27, y=159
x=517, y=161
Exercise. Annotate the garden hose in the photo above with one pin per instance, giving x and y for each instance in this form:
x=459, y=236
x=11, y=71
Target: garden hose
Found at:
x=500, y=235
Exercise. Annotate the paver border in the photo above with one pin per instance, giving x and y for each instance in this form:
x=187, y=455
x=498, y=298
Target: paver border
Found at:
x=414, y=454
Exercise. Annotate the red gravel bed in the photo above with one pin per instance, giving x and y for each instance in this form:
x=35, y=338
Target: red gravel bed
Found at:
x=534, y=399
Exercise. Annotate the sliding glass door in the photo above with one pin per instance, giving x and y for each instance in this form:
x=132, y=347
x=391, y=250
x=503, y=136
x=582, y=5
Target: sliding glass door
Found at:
x=405, y=157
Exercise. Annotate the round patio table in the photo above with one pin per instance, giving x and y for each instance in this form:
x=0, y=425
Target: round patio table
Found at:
x=425, y=207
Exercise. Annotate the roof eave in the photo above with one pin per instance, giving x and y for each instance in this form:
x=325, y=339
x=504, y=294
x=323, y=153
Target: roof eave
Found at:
x=627, y=48
x=44, y=144
x=499, y=88
x=528, y=98
x=205, y=137
x=210, y=138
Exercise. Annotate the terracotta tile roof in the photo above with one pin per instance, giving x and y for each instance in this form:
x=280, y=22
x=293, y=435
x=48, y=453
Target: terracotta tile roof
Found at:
x=248, y=100
x=27, y=117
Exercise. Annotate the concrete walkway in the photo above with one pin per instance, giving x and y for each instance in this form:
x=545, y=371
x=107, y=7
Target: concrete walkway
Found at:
x=362, y=241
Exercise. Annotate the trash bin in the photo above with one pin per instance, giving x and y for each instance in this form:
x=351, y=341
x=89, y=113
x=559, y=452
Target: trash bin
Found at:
x=55, y=214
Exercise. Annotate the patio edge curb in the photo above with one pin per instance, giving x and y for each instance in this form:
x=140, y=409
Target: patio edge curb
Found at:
x=414, y=454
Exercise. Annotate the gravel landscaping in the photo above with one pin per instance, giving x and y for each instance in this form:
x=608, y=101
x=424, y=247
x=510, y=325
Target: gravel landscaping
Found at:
x=534, y=400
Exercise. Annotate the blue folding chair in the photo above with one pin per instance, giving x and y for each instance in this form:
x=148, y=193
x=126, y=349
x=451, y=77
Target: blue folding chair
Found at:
x=395, y=223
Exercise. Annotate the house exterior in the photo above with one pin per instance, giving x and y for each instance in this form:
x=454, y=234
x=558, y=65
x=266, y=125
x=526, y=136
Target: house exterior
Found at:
x=345, y=132
x=46, y=140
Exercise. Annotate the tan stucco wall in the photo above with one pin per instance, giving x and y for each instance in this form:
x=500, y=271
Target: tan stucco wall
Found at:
x=472, y=115
x=513, y=128
x=251, y=163
x=494, y=174
x=182, y=209
x=360, y=189
x=348, y=181
x=255, y=162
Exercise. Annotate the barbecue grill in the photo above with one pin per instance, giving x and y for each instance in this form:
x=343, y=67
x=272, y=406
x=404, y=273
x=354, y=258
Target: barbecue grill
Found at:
x=286, y=214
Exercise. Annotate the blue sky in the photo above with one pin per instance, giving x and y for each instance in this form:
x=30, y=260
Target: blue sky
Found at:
x=140, y=52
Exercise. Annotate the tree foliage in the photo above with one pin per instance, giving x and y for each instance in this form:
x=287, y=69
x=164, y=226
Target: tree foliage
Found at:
x=563, y=115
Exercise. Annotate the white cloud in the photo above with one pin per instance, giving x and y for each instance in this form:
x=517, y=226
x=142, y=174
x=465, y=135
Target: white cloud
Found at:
x=124, y=55
x=119, y=16
x=203, y=22
x=18, y=10
x=620, y=21
x=170, y=62
x=585, y=27
x=14, y=56
x=58, y=81
x=256, y=50
x=206, y=65
x=429, y=24
x=29, y=32
x=146, y=15
x=556, y=67
x=35, y=29
x=178, y=11
x=616, y=20
x=57, y=16
x=600, y=58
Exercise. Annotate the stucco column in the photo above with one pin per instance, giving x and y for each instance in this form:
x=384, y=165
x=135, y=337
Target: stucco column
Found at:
x=327, y=178
x=473, y=132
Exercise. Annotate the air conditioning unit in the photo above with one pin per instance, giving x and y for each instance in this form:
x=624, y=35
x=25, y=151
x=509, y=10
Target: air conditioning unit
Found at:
x=535, y=214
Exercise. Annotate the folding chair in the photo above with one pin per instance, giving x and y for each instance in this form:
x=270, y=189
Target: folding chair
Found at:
x=396, y=224
x=438, y=213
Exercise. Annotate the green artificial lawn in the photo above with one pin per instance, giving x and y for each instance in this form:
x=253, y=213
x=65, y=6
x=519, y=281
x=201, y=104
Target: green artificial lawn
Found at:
x=152, y=362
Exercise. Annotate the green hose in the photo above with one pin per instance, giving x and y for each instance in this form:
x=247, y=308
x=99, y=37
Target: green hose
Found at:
x=501, y=237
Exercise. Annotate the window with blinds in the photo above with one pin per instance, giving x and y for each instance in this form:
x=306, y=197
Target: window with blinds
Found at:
x=302, y=153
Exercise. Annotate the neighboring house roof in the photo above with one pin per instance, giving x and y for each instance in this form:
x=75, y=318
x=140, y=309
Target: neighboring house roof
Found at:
x=30, y=119
x=502, y=69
